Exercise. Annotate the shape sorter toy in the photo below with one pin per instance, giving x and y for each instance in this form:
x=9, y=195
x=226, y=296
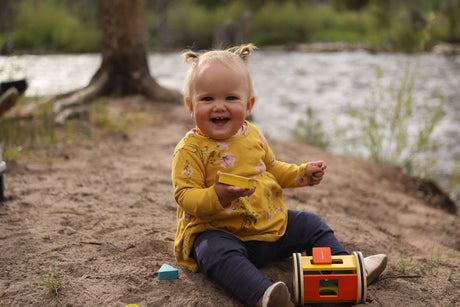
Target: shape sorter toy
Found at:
x=322, y=278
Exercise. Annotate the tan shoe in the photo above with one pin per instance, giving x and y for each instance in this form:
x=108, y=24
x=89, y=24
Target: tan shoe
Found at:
x=375, y=265
x=277, y=295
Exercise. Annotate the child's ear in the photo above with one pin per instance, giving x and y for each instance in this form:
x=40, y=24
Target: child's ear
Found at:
x=189, y=105
x=250, y=105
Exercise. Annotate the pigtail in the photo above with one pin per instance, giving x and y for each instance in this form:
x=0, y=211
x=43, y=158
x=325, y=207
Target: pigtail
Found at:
x=243, y=51
x=190, y=56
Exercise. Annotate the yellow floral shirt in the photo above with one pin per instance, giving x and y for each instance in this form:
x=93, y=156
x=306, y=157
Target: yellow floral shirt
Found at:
x=261, y=216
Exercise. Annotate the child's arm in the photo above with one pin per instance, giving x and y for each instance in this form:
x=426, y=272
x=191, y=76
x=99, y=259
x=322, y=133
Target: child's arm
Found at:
x=292, y=175
x=191, y=191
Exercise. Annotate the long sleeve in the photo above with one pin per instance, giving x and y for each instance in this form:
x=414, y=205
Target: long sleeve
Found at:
x=290, y=175
x=191, y=191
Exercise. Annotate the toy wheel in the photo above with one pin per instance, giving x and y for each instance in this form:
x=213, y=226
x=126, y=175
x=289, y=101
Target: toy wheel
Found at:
x=297, y=278
x=2, y=188
x=362, y=280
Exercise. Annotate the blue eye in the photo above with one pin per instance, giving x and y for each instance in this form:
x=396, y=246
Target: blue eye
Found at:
x=207, y=99
x=232, y=98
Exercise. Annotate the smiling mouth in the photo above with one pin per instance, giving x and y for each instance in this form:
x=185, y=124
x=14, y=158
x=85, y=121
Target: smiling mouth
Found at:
x=220, y=120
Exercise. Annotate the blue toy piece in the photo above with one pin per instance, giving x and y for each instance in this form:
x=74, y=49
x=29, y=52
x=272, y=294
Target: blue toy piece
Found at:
x=168, y=272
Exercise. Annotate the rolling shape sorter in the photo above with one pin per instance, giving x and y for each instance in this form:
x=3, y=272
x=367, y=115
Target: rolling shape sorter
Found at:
x=322, y=278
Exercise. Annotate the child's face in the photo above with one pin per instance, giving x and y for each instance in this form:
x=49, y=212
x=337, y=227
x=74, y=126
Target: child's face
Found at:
x=220, y=100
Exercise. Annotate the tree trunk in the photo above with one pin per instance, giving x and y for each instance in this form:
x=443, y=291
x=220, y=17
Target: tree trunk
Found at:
x=124, y=69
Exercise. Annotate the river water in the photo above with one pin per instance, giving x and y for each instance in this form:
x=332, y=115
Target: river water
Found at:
x=287, y=83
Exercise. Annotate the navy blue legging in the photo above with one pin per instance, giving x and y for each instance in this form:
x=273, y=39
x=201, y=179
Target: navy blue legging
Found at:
x=234, y=263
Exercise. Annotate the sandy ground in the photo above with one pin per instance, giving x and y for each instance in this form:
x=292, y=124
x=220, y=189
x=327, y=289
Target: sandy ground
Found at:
x=97, y=218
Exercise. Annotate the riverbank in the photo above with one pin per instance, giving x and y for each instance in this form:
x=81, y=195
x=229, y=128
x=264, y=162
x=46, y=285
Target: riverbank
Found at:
x=97, y=218
x=443, y=48
x=288, y=83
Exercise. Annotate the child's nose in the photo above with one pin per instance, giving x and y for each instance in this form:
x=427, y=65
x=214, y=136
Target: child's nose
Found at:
x=219, y=105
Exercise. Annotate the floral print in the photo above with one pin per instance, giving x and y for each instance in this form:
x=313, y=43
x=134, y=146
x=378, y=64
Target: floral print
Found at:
x=187, y=217
x=187, y=171
x=227, y=160
x=262, y=138
x=260, y=167
x=300, y=181
x=222, y=146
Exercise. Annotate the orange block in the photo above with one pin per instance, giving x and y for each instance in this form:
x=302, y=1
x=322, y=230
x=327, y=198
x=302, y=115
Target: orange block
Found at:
x=322, y=255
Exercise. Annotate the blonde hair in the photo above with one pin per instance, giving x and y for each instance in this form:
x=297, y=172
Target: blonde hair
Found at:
x=230, y=57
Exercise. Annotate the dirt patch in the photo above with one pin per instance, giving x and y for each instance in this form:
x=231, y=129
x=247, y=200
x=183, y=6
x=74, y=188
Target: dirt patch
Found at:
x=99, y=219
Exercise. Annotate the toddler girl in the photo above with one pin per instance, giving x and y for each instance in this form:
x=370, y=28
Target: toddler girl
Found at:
x=226, y=231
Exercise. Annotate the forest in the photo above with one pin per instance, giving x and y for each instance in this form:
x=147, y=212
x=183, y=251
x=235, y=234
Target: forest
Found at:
x=50, y=26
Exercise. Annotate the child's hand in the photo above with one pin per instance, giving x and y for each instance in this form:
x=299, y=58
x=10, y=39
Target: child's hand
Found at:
x=228, y=193
x=315, y=172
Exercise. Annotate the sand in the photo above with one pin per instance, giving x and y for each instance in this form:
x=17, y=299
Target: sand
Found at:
x=96, y=219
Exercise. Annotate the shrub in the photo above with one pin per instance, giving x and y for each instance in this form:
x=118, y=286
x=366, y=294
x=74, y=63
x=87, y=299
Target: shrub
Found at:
x=382, y=125
x=277, y=23
x=49, y=25
x=310, y=130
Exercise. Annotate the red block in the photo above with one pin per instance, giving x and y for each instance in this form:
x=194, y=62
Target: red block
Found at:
x=322, y=255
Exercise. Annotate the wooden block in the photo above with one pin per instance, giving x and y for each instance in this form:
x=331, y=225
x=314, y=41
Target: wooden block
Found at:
x=168, y=272
x=322, y=255
x=236, y=180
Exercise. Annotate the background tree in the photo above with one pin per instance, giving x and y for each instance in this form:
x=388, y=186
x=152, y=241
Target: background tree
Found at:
x=124, y=69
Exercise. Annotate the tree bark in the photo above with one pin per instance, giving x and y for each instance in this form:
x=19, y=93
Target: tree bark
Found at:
x=124, y=69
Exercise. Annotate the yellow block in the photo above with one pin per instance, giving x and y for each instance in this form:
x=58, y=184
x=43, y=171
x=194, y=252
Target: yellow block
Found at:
x=236, y=180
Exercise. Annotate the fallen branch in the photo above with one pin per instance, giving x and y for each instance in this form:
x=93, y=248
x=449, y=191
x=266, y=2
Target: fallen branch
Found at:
x=74, y=104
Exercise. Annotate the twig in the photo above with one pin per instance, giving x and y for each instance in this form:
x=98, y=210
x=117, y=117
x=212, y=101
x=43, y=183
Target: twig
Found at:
x=400, y=276
x=93, y=243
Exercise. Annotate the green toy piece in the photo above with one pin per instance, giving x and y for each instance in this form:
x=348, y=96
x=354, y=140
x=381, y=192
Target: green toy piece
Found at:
x=168, y=272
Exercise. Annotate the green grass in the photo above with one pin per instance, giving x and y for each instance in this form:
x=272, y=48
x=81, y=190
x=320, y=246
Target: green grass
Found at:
x=17, y=134
x=41, y=135
x=404, y=264
x=431, y=265
x=310, y=130
x=49, y=281
x=381, y=125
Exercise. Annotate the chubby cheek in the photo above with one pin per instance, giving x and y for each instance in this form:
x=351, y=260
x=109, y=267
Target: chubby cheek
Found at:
x=201, y=118
x=242, y=114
